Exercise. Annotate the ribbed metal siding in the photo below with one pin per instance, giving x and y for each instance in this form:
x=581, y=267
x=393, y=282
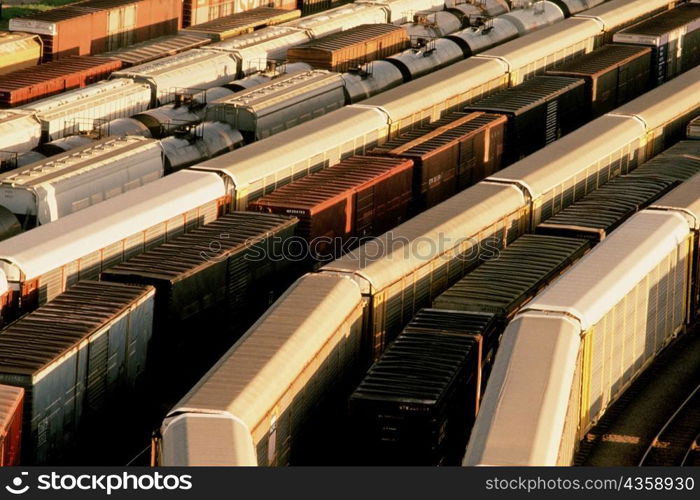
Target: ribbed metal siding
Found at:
x=636, y=328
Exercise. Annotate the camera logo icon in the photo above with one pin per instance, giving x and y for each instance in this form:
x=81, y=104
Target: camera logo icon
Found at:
x=16, y=488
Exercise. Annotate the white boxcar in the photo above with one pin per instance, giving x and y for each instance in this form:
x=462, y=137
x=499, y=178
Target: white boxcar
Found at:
x=534, y=53
x=74, y=356
x=402, y=11
x=341, y=18
x=248, y=409
x=19, y=132
x=533, y=18
x=262, y=167
x=282, y=103
x=404, y=269
x=84, y=109
x=426, y=99
x=254, y=51
x=194, y=69
x=43, y=262
x=60, y=185
x=579, y=344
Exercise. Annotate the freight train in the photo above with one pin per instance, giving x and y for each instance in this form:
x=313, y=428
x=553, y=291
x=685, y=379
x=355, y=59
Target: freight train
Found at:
x=80, y=245
x=376, y=289
x=235, y=179
x=585, y=338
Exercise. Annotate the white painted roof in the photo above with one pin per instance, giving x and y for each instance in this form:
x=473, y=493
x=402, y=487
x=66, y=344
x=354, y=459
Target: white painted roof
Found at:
x=612, y=269
x=51, y=245
x=685, y=199
x=430, y=235
x=522, y=413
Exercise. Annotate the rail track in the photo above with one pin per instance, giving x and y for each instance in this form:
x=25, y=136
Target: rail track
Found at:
x=676, y=442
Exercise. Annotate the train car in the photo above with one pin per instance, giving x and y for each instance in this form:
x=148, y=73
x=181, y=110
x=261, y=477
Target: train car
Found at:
x=263, y=166
x=539, y=111
x=425, y=57
x=450, y=89
x=11, y=405
x=18, y=51
x=84, y=350
x=199, y=12
x=359, y=197
x=674, y=38
x=693, y=130
x=81, y=110
x=449, y=155
x=45, y=191
x=402, y=11
x=619, y=14
x=189, y=108
x=571, y=7
x=535, y=16
x=666, y=110
x=477, y=39
x=257, y=111
x=541, y=50
x=612, y=145
x=614, y=75
x=194, y=145
x=45, y=261
x=603, y=210
x=678, y=163
x=402, y=271
x=96, y=26
x=258, y=50
x=370, y=79
x=223, y=28
x=414, y=402
x=30, y=84
x=342, y=18
x=20, y=132
x=150, y=50
x=196, y=69
x=558, y=350
x=250, y=408
x=221, y=275
x=63, y=145
x=432, y=24
x=351, y=48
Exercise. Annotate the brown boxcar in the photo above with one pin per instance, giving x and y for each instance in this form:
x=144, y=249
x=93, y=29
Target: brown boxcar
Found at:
x=352, y=47
x=30, y=84
x=11, y=402
x=614, y=74
x=450, y=154
x=244, y=22
x=360, y=196
x=97, y=26
x=150, y=50
x=201, y=11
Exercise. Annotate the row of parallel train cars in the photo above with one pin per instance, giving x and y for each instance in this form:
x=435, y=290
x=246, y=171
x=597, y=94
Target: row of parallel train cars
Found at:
x=156, y=83
x=168, y=251
x=238, y=117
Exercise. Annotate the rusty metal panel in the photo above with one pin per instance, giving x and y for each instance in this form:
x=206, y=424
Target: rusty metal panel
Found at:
x=360, y=196
x=30, y=84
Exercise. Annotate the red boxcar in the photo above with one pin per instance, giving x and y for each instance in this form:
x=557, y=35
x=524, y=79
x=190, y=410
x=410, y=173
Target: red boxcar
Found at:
x=30, y=84
x=11, y=401
x=360, y=196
